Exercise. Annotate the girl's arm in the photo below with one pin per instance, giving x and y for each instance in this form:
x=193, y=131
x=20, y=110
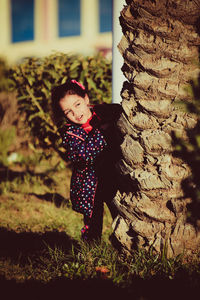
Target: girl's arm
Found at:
x=87, y=150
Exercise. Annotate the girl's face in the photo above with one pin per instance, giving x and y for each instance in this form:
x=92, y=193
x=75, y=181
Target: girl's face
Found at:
x=76, y=108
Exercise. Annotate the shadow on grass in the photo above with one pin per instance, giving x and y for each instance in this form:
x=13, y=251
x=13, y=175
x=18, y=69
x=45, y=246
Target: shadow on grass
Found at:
x=56, y=198
x=7, y=174
x=13, y=244
x=26, y=244
x=152, y=289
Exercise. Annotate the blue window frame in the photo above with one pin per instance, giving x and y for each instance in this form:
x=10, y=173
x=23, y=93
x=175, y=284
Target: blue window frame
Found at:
x=105, y=15
x=69, y=17
x=22, y=20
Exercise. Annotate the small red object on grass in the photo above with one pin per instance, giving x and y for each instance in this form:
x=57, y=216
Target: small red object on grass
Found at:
x=102, y=272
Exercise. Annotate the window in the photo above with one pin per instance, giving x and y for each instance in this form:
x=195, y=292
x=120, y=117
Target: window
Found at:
x=105, y=15
x=22, y=20
x=69, y=17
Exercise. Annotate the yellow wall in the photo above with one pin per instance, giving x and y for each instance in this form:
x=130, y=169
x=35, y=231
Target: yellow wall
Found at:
x=46, y=32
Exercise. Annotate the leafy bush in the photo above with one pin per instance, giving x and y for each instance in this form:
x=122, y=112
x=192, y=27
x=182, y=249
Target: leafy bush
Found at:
x=6, y=139
x=34, y=79
x=5, y=81
x=189, y=151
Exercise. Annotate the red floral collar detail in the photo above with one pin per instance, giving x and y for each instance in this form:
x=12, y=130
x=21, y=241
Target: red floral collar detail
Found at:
x=87, y=126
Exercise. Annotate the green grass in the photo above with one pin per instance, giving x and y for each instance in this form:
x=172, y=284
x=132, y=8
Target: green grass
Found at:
x=40, y=238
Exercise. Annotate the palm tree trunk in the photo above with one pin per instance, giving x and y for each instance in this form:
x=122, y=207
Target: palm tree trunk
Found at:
x=160, y=47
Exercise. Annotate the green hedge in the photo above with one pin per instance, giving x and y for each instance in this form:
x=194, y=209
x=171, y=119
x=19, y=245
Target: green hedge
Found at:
x=34, y=79
x=189, y=151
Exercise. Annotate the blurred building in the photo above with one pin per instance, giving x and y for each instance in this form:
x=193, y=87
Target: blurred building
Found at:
x=40, y=27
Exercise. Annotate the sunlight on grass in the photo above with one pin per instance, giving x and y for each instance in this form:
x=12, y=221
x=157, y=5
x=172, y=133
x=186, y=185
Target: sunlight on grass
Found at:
x=35, y=207
x=29, y=195
x=30, y=213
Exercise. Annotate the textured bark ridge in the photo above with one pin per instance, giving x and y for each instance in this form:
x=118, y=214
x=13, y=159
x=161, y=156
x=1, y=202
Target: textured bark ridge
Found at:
x=160, y=50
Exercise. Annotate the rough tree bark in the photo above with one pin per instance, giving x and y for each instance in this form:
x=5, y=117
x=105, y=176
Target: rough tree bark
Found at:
x=160, y=47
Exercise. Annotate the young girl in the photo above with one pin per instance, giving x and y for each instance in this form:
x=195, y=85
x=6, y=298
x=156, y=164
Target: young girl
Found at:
x=88, y=139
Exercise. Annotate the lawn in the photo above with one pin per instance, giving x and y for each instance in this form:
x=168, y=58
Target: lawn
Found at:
x=41, y=250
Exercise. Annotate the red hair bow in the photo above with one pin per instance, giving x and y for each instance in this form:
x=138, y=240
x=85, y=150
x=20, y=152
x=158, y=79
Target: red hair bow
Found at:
x=76, y=82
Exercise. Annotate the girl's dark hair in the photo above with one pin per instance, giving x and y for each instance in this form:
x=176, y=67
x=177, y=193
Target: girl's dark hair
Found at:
x=70, y=87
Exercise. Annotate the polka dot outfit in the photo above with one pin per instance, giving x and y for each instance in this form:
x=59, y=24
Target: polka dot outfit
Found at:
x=82, y=149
